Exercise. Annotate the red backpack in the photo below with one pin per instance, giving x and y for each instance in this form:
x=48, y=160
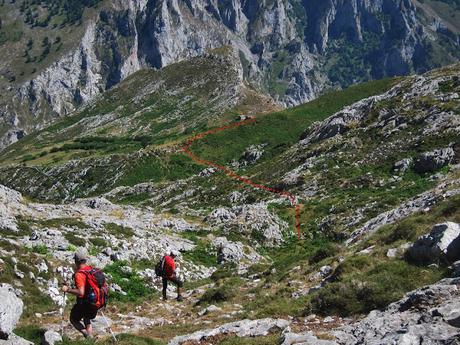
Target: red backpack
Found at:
x=96, y=289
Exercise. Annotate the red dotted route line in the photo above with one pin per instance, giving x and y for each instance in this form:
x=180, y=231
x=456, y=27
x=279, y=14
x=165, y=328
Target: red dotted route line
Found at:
x=234, y=175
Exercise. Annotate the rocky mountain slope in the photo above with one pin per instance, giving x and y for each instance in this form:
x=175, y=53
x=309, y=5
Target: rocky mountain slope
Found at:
x=374, y=167
x=62, y=56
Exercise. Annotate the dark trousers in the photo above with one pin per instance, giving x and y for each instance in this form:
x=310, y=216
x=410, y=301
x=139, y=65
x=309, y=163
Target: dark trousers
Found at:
x=173, y=280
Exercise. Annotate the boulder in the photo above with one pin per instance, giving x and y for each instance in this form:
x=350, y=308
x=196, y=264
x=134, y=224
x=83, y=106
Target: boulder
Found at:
x=10, y=310
x=442, y=243
x=51, y=337
x=434, y=160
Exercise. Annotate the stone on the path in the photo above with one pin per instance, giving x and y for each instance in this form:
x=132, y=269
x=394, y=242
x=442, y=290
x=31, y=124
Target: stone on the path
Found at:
x=51, y=338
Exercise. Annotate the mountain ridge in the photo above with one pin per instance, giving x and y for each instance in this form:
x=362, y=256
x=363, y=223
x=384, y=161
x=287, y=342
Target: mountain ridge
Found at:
x=281, y=52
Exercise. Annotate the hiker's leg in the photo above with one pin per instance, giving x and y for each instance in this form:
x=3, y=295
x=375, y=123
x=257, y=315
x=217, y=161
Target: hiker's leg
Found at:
x=76, y=316
x=180, y=286
x=88, y=327
x=165, y=287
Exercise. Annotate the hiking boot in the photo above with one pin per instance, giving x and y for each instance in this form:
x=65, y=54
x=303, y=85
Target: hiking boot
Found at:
x=179, y=298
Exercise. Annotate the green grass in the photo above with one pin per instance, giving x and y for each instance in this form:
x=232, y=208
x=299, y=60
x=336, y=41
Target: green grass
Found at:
x=281, y=130
x=364, y=283
x=410, y=228
x=40, y=249
x=294, y=252
x=59, y=222
x=225, y=291
x=75, y=240
x=30, y=332
x=173, y=167
x=130, y=282
x=119, y=230
x=200, y=255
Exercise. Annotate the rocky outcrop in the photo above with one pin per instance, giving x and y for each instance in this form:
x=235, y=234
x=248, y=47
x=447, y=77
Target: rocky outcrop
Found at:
x=10, y=310
x=282, y=47
x=429, y=315
x=304, y=339
x=255, y=220
x=441, y=244
x=434, y=160
x=417, y=204
x=244, y=328
x=425, y=316
x=228, y=251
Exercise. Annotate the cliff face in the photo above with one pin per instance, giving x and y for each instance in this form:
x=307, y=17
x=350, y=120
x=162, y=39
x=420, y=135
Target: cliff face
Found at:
x=291, y=49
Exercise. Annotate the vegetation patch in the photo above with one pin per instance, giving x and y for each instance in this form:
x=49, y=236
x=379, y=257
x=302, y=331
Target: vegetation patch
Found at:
x=226, y=290
x=130, y=282
x=202, y=254
x=364, y=283
x=31, y=332
x=119, y=230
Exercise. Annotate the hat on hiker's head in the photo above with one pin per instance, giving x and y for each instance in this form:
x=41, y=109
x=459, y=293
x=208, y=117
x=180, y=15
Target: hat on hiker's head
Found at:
x=81, y=255
x=174, y=252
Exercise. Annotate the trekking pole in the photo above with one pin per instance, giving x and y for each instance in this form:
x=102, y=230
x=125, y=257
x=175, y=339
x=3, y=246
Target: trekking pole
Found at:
x=108, y=326
x=62, y=315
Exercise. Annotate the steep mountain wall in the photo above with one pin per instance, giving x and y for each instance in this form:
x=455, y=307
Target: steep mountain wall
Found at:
x=291, y=49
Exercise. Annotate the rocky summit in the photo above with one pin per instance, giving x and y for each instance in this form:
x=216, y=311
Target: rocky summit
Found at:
x=299, y=159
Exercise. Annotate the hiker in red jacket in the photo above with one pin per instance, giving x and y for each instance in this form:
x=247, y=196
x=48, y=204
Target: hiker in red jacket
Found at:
x=81, y=310
x=170, y=275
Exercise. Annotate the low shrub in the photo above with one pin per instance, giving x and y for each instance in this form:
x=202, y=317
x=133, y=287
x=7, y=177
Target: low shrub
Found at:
x=40, y=249
x=75, y=240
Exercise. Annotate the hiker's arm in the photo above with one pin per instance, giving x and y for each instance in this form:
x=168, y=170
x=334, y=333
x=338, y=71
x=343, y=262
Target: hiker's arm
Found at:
x=77, y=292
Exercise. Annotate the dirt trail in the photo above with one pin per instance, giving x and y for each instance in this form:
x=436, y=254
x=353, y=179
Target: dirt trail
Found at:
x=230, y=173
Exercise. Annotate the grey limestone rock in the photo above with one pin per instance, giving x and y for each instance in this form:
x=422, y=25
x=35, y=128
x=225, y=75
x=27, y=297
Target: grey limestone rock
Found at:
x=434, y=160
x=442, y=243
x=228, y=251
x=403, y=165
x=244, y=328
x=424, y=316
x=51, y=338
x=10, y=310
x=250, y=219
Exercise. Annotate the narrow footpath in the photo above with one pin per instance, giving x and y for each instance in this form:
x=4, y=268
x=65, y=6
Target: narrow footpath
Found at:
x=230, y=173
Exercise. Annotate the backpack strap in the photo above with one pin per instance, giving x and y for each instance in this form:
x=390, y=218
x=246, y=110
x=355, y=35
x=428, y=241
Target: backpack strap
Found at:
x=86, y=272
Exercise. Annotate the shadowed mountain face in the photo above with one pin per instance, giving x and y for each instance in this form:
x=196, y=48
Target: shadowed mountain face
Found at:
x=290, y=49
